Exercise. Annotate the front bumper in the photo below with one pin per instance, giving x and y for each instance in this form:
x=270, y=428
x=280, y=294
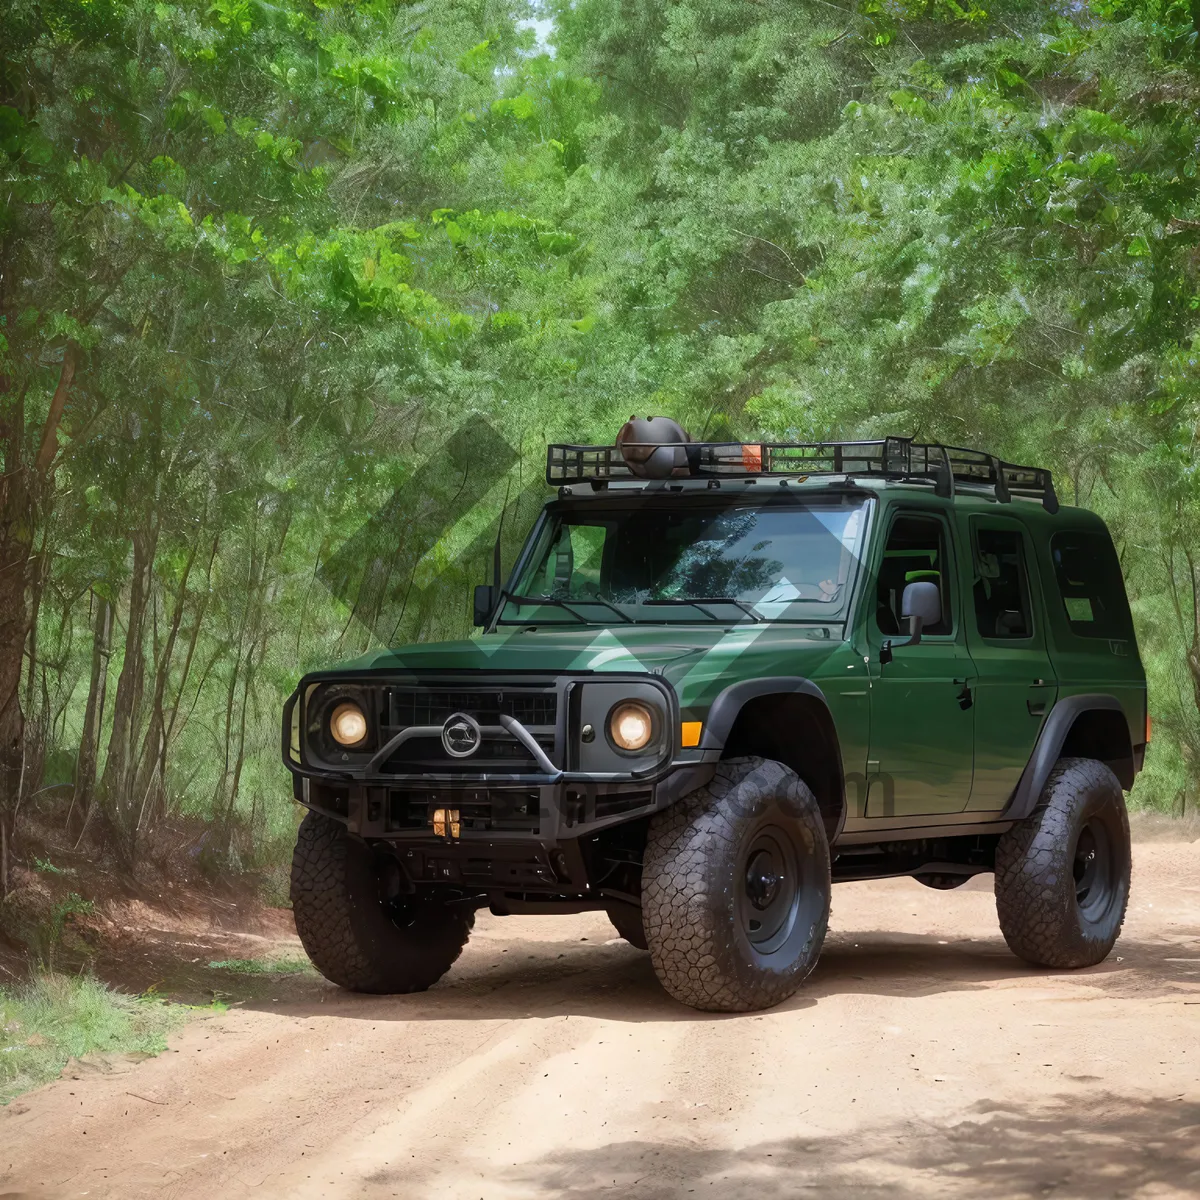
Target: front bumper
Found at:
x=555, y=847
x=461, y=811
x=553, y=787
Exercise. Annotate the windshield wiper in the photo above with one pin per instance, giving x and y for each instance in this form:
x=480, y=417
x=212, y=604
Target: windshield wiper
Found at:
x=569, y=605
x=703, y=600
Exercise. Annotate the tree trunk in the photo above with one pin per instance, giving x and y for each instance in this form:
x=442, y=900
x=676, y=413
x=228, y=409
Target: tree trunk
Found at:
x=6, y=823
x=247, y=688
x=36, y=732
x=38, y=576
x=1193, y=654
x=93, y=715
x=221, y=800
x=14, y=556
x=16, y=543
x=20, y=488
x=153, y=744
x=117, y=784
x=185, y=671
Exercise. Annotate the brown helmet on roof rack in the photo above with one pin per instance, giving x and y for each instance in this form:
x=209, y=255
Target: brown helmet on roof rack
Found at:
x=654, y=447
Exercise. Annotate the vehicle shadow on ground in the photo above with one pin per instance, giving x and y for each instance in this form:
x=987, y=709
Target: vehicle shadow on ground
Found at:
x=1101, y=1145
x=617, y=982
x=879, y=962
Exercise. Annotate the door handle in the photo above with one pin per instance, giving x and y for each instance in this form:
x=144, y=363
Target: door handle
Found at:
x=1035, y=703
x=964, y=697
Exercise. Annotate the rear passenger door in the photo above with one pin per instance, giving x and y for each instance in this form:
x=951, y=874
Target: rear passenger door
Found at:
x=1015, y=686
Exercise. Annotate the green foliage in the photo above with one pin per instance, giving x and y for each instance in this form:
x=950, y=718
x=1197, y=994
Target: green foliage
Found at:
x=296, y=248
x=979, y=226
x=47, y=867
x=203, y=211
x=48, y=935
x=54, y=1018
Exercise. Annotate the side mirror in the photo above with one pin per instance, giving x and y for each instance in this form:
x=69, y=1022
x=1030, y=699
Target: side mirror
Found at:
x=921, y=603
x=485, y=601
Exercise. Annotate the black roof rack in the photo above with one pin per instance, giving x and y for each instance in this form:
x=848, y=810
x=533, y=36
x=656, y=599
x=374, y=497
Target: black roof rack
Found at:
x=894, y=458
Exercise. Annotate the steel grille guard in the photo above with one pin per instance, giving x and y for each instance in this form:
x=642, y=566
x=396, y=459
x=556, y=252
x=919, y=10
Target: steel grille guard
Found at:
x=547, y=775
x=509, y=725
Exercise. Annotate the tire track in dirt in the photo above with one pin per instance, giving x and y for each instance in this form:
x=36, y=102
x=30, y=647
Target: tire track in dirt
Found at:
x=921, y=1059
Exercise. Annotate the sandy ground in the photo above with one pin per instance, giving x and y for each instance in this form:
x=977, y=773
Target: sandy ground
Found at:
x=921, y=1060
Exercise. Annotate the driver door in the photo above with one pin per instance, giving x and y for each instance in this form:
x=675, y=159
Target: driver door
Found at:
x=922, y=742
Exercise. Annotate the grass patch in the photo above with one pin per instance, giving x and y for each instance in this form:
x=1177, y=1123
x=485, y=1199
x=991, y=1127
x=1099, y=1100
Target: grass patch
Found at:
x=262, y=966
x=53, y=1018
x=48, y=868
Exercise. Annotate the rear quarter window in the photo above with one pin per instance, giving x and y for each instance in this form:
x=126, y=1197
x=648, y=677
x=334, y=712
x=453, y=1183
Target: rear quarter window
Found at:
x=1091, y=590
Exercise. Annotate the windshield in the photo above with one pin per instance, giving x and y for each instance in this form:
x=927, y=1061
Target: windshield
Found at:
x=730, y=562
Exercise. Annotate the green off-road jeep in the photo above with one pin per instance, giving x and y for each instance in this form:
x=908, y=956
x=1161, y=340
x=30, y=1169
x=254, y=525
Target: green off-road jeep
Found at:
x=719, y=678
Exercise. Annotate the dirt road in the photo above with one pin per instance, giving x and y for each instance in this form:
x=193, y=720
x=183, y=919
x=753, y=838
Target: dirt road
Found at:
x=922, y=1060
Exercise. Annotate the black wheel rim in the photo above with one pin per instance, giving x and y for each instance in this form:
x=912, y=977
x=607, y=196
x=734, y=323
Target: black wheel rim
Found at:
x=768, y=889
x=402, y=911
x=1094, y=868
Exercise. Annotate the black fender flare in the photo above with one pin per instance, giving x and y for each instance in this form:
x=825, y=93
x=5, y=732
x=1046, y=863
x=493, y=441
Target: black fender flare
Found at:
x=732, y=699
x=1049, y=747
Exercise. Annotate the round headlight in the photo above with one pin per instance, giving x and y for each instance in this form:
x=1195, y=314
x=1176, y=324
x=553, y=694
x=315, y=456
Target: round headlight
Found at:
x=630, y=725
x=348, y=724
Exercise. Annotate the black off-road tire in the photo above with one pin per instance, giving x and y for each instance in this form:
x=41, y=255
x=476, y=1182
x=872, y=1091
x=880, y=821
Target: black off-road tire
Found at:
x=354, y=937
x=1062, y=874
x=627, y=921
x=707, y=872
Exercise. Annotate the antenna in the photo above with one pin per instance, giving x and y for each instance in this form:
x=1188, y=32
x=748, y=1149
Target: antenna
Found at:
x=496, y=570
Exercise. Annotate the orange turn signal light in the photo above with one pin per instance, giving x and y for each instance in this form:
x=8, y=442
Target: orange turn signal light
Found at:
x=689, y=733
x=1147, y=729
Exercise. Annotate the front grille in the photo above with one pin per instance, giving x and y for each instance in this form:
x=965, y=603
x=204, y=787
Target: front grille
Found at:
x=402, y=707
x=421, y=706
x=480, y=810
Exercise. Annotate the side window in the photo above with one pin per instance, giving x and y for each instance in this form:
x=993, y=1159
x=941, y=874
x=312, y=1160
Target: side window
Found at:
x=916, y=551
x=1088, y=575
x=1002, y=607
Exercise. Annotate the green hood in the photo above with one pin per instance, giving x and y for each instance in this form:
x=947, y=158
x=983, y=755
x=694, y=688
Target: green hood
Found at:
x=698, y=660
x=579, y=648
